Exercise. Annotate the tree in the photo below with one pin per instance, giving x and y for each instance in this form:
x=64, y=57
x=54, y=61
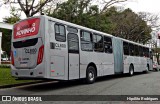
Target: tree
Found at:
x=31, y=7
x=15, y=16
x=129, y=25
x=151, y=19
x=109, y=3
x=125, y=24
x=6, y=38
x=75, y=11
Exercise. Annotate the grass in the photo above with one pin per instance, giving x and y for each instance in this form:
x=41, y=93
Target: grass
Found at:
x=7, y=79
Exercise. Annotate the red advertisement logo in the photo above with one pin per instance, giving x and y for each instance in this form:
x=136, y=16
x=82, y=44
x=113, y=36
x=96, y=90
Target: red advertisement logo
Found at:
x=26, y=28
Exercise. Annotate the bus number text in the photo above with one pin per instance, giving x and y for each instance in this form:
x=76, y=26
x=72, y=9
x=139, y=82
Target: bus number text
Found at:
x=30, y=51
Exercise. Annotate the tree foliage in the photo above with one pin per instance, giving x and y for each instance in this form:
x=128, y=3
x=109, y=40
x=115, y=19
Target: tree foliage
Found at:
x=6, y=40
x=6, y=34
x=15, y=16
x=151, y=19
x=130, y=26
x=125, y=24
x=109, y=3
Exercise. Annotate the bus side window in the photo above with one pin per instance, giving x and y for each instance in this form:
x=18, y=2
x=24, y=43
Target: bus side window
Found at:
x=86, y=41
x=136, y=47
x=107, y=45
x=98, y=42
x=73, y=44
x=72, y=29
x=126, y=48
x=60, y=34
x=146, y=52
x=131, y=49
x=140, y=51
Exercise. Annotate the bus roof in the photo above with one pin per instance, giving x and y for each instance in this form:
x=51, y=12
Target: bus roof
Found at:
x=87, y=29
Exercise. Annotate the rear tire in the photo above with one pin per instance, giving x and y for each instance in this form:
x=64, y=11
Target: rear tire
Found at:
x=131, y=70
x=90, y=75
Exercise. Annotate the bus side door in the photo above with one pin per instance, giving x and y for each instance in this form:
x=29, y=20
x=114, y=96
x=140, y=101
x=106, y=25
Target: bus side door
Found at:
x=73, y=56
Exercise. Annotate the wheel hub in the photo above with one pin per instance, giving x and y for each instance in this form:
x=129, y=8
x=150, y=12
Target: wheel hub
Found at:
x=91, y=75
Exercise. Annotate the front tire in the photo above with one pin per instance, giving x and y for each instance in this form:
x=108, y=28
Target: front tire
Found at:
x=90, y=75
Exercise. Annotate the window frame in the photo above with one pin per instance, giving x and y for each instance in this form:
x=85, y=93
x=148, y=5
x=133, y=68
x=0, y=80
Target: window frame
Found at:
x=133, y=53
x=136, y=50
x=124, y=52
x=110, y=45
x=146, y=52
x=96, y=41
x=59, y=24
x=141, y=51
x=73, y=28
x=91, y=40
x=73, y=51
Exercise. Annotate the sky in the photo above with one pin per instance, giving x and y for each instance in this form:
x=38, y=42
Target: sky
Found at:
x=152, y=6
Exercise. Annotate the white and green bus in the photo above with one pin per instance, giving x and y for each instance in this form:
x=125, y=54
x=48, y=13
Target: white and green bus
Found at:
x=49, y=48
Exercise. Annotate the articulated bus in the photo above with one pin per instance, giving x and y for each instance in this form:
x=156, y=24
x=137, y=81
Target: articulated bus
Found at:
x=49, y=48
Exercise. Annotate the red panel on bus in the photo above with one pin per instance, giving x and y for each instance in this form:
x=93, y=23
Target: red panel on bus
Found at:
x=26, y=28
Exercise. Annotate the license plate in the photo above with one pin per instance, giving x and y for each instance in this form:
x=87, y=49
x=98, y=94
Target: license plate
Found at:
x=23, y=65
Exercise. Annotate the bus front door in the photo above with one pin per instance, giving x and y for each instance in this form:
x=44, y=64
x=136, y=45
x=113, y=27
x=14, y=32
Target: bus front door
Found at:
x=73, y=56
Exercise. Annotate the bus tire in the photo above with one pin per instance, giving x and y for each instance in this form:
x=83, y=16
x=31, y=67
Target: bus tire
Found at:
x=90, y=75
x=131, y=70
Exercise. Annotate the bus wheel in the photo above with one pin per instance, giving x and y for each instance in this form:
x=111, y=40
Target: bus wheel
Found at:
x=90, y=75
x=131, y=70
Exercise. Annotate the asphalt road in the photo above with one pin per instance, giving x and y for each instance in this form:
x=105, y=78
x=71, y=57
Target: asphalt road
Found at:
x=139, y=84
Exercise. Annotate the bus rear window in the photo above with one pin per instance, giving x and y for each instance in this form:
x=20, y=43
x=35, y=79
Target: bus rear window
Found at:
x=25, y=43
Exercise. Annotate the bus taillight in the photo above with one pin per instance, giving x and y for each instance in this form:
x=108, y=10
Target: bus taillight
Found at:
x=40, y=54
x=12, y=58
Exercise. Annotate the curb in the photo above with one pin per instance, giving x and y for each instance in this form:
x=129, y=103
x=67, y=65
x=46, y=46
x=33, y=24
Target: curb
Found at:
x=20, y=84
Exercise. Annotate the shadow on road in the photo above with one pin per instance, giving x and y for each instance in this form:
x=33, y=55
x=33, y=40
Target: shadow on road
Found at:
x=54, y=85
x=111, y=77
x=51, y=85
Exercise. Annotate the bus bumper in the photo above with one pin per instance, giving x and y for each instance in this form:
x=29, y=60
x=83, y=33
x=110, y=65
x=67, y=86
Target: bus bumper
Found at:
x=28, y=73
